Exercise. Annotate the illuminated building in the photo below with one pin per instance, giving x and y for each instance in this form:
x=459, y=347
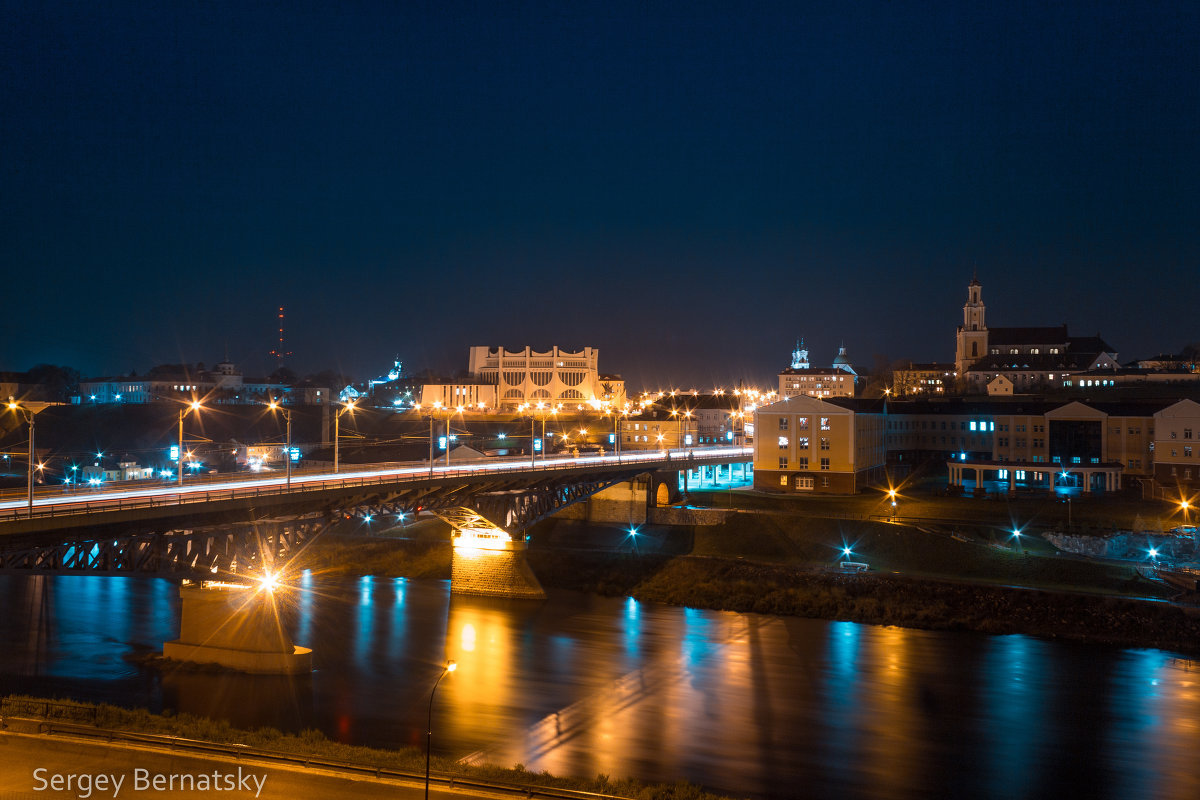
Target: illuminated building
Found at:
x=837, y=380
x=555, y=376
x=659, y=428
x=223, y=384
x=1031, y=359
x=810, y=444
x=1176, y=449
x=930, y=379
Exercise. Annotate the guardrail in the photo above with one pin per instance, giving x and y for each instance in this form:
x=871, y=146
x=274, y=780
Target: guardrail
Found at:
x=410, y=472
x=238, y=752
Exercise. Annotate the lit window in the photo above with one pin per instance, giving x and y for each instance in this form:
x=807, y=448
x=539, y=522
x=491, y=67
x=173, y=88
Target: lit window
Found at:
x=783, y=441
x=824, y=423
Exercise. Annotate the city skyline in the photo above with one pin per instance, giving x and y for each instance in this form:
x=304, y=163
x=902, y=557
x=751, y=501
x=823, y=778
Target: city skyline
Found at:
x=686, y=188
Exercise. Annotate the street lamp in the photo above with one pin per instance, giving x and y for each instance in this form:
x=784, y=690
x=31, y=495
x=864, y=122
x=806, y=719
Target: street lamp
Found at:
x=28, y=412
x=336, y=433
x=449, y=416
x=287, y=451
x=192, y=406
x=449, y=667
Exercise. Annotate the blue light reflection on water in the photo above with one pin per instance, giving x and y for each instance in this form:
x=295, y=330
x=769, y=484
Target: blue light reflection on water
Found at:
x=632, y=628
x=1014, y=706
x=364, y=639
x=397, y=634
x=748, y=705
x=304, y=608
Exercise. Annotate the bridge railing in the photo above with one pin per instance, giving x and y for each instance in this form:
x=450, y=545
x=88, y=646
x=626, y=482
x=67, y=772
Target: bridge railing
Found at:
x=125, y=499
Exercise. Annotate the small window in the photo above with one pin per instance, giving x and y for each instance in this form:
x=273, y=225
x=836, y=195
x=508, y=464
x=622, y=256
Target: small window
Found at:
x=783, y=441
x=802, y=462
x=783, y=480
x=825, y=463
x=824, y=423
x=783, y=423
x=824, y=443
x=783, y=462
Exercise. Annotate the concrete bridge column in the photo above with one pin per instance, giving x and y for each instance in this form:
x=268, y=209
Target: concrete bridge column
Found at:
x=492, y=564
x=237, y=626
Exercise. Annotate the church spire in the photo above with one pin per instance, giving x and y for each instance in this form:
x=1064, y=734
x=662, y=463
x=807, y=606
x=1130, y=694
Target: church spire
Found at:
x=800, y=355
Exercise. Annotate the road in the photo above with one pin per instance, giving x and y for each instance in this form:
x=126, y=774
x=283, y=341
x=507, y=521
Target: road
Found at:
x=13, y=505
x=21, y=755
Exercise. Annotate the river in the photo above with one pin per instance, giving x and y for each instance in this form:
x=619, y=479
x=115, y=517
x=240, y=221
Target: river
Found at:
x=749, y=705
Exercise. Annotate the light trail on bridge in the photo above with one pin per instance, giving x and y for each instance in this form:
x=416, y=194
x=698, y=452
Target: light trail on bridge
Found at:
x=300, y=482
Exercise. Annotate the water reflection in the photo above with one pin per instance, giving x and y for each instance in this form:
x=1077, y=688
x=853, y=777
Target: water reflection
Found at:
x=580, y=684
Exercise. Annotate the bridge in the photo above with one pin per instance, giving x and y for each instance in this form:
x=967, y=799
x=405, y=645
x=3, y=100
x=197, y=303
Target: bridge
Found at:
x=231, y=536
x=234, y=524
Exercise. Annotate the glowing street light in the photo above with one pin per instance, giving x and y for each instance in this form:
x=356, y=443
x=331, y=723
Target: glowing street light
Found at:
x=336, y=433
x=449, y=667
x=287, y=452
x=28, y=411
x=192, y=406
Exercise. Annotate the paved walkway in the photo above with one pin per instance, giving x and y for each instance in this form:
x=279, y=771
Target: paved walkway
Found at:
x=23, y=757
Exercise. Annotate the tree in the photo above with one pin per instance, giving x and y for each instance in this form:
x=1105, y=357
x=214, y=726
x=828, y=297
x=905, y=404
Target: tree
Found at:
x=58, y=383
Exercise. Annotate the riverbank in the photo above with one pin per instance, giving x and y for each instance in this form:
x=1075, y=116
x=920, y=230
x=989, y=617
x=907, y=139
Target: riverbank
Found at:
x=316, y=745
x=783, y=564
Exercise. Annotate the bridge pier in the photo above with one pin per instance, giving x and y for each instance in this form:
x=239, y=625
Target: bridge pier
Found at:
x=488, y=562
x=236, y=626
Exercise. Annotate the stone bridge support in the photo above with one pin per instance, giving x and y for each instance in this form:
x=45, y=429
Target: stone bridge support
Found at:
x=237, y=626
x=487, y=560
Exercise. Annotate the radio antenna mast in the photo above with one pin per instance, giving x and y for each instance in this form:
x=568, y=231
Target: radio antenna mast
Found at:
x=279, y=353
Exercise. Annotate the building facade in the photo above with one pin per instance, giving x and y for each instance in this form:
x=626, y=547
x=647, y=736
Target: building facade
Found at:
x=554, y=376
x=1032, y=359
x=808, y=444
x=923, y=380
x=801, y=378
x=1175, y=443
x=471, y=397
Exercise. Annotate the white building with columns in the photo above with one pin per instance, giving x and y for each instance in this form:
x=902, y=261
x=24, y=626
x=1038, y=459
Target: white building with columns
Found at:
x=553, y=376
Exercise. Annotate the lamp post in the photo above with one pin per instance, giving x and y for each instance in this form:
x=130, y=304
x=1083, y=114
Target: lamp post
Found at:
x=450, y=415
x=449, y=667
x=192, y=406
x=336, y=433
x=287, y=450
x=28, y=411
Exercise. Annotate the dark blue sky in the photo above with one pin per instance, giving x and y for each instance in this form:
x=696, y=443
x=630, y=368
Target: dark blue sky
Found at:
x=688, y=187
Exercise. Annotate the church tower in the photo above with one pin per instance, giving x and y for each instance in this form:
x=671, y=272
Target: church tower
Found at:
x=800, y=356
x=972, y=334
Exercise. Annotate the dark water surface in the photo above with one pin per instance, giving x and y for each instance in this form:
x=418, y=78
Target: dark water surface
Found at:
x=751, y=705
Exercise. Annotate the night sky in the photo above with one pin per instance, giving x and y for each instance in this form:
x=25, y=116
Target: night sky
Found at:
x=688, y=187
